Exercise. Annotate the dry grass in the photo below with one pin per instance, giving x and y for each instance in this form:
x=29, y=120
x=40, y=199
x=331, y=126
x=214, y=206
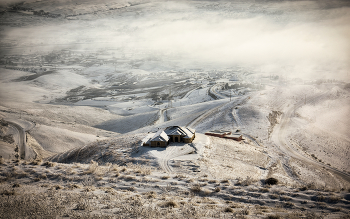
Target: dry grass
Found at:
x=92, y=168
x=165, y=177
x=217, y=189
x=49, y=164
x=196, y=188
x=245, y=182
x=36, y=162
x=264, y=190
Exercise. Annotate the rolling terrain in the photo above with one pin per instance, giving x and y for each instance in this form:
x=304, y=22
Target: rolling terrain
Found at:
x=76, y=109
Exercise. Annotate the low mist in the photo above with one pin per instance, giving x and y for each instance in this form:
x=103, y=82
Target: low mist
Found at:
x=303, y=39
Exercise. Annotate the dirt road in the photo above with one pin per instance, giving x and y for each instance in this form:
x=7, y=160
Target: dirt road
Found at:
x=280, y=135
x=175, y=150
x=20, y=137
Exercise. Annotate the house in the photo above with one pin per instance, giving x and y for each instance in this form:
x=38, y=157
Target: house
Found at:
x=160, y=139
x=171, y=134
x=180, y=134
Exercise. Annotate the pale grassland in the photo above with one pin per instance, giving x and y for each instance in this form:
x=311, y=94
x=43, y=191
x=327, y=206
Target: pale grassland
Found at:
x=115, y=191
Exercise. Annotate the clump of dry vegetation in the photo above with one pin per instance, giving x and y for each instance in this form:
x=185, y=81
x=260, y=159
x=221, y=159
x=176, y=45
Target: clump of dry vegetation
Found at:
x=49, y=164
x=271, y=181
x=196, y=188
x=171, y=204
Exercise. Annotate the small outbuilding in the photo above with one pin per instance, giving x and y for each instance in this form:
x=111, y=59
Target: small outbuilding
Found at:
x=218, y=133
x=225, y=134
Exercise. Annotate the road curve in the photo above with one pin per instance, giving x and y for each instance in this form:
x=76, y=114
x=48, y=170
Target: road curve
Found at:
x=279, y=137
x=24, y=151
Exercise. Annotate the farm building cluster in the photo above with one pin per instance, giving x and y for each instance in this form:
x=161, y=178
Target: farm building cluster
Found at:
x=225, y=134
x=171, y=134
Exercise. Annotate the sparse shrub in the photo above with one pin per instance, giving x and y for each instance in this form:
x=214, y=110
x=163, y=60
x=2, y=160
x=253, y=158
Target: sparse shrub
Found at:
x=98, y=178
x=114, y=167
x=92, y=168
x=289, y=204
x=333, y=199
x=16, y=185
x=151, y=194
x=36, y=162
x=203, y=184
x=83, y=205
x=273, y=217
x=217, y=189
x=165, y=177
x=285, y=198
x=228, y=209
x=37, y=179
x=273, y=196
x=303, y=202
x=190, y=180
x=321, y=205
x=57, y=187
x=319, y=198
x=336, y=209
x=303, y=188
x=90, y=188
x=171, y=204
x=225, y=181
x=49, y=164
x=74, y=186
x=179, y=176
x=8, y=193
x=264, y=190
x=129, y=178
x=131, y=188
x=247, y=181
x=311, y=186
x=245, y=211
x=271, y=181
x=196, y=188
x=213, y=181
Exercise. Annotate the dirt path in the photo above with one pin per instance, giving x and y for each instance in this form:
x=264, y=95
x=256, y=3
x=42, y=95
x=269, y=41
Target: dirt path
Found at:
x=279, y=136
x=171, y=152
x=20, y=137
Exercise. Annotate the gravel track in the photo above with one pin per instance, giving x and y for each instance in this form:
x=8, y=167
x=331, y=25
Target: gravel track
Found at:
x=279, y=136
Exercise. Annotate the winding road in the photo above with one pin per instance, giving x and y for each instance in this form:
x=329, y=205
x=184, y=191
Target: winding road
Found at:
x=279, y=136
x=21, y=126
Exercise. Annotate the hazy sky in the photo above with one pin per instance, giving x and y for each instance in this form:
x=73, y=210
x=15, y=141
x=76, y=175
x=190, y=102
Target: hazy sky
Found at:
x=297, y=38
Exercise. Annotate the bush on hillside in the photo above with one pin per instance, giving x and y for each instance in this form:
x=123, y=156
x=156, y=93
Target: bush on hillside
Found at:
x=271, y=181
